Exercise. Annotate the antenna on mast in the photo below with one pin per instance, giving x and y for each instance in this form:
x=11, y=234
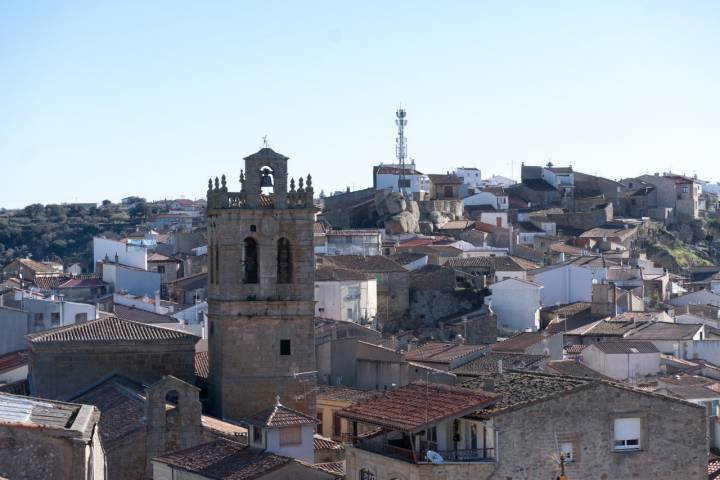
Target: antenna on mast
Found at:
x=401, y=152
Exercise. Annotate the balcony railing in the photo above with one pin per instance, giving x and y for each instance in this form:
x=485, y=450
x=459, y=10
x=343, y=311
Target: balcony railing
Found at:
x=377, y=445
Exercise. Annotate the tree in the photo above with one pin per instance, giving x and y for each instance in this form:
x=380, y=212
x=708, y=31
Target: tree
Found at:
x=34, y=210
x=139, y=211
x=106, y=203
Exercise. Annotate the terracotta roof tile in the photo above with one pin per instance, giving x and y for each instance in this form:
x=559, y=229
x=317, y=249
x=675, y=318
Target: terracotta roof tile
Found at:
x=279, y=416
x=411, y=407
x=625, y=347
x=340, y=393
x=518, y=343
x=323, y=443
x=202, y=365
x=11, y=361
x=333, y=468
x=520, y=388
x=439, y=352
x=488, y=364
x=224, y=460
x=108, y=329
x=372, y=264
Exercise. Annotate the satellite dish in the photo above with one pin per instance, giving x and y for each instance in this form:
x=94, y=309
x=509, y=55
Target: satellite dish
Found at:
x=434, y=457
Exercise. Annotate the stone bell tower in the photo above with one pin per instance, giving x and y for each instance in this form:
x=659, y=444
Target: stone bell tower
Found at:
x=261, y=289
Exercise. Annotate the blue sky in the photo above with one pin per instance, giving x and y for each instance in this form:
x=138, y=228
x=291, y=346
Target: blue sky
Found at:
x=108, y=99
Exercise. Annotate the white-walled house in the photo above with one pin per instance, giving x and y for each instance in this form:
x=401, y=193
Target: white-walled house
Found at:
x=387, y=176
x=492, y=198
x=623, y=360
x=516, y=304
x=131, y=280
x=472, y=179
x=123, y=253
x=563, y=284
x=342, y=294
x=283, y=431
x=498, y=219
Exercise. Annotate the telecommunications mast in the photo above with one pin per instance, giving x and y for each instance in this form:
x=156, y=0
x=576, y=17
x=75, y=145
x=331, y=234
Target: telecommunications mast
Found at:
x=401, y=153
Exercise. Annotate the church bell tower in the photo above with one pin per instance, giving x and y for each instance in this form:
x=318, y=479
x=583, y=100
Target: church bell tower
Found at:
x=261, y=289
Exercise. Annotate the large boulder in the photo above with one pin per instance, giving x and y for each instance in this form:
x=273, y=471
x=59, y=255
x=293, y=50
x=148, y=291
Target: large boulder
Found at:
x=437, y=218
x=414, y=208
x=389, y=203
x=403, y=222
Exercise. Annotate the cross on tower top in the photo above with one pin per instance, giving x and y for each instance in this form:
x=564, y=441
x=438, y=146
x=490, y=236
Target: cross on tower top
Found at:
x=265, y=143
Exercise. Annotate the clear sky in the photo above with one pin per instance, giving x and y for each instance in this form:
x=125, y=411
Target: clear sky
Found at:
x=109, y=99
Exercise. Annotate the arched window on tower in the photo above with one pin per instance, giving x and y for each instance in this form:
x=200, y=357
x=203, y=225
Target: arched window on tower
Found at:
x=250, y=261
x=284, y=261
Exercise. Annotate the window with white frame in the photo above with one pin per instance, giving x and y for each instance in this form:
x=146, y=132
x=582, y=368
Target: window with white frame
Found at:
x=626, y=434
x=566, y=452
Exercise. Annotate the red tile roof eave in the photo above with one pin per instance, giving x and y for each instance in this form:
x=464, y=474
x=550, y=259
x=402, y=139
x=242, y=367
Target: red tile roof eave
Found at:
x=458, y=414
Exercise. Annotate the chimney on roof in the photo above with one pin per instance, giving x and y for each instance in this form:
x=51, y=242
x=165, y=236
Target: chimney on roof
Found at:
x=489, y=384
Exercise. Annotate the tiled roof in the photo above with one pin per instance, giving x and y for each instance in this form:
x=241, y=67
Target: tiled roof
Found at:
x=323, y=443
x=537, y=184
x=502, y=263
x=16, y=388
x=279, y=416
x=625, y=347
x=329, y=273
x=139, y=315
x=609, y=232
x=572, y=368
x=445, y=179
x=575, y=349
x=109, y=329
x=159, y=257
x=520, y=388
x=122, y=407
x=439, y=352
x=372, y=263
x=713, y=467
x=488, y=364
x=340, y=393
x=568, y=309
x=564, y=248
x=191, y=282
x=518, y=343
x=456, y=225
x=202, y=365
x=82, y=283
x=665, y=331
x=224, y=460
x=37, y=267
x=333, y=468
x=606, y=328
x=411, y=407
x=16, y=409
x=222, y=428
x=690, y=392
x=11, y=361
x=49, y=283
x=390, y=170
x=405, y=258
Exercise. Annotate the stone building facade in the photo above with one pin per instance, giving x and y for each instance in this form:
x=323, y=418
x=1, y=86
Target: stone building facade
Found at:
x=65, y=361
x=261, y=289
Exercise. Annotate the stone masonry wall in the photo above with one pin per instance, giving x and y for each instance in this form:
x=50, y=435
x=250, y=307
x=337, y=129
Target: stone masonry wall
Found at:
x=674, y=437
x=60, y=371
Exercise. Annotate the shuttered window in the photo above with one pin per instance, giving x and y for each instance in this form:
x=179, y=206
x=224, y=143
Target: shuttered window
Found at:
x=627, y=434
x=290, y=436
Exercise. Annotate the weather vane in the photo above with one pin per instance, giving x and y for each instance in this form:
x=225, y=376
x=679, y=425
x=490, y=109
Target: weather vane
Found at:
x=265, y=142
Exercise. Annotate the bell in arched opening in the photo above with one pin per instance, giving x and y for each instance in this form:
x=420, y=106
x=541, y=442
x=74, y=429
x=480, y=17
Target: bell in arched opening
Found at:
x=266, y=179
